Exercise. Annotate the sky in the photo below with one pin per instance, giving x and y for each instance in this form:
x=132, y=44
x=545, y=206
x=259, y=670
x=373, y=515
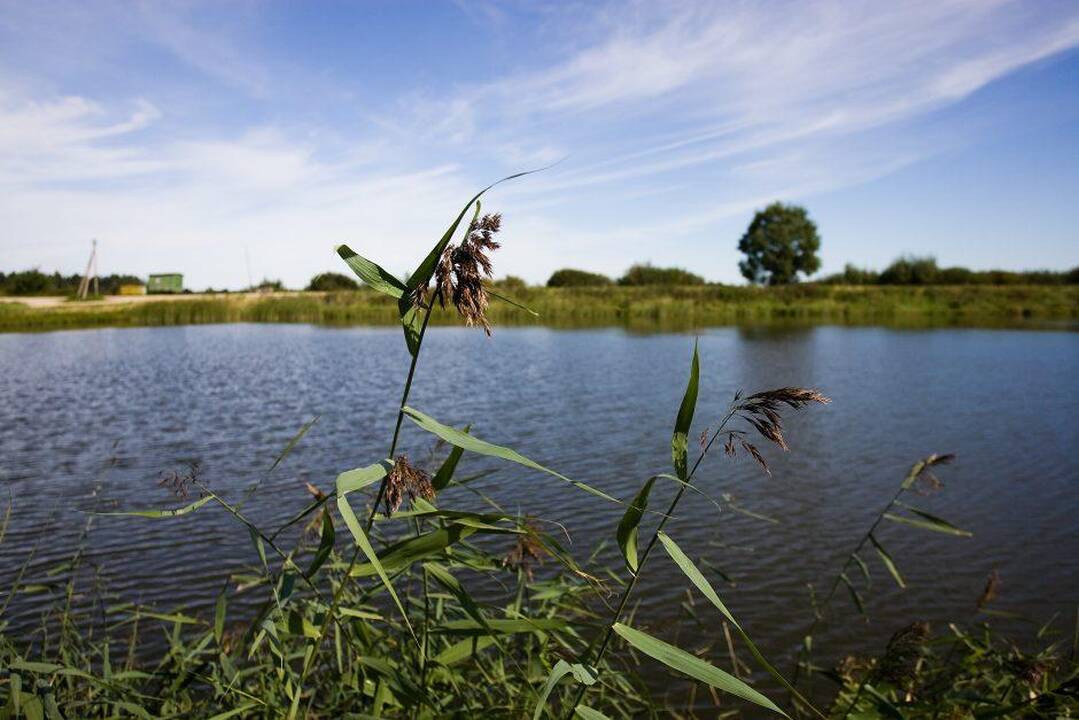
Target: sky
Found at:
x=240, y=140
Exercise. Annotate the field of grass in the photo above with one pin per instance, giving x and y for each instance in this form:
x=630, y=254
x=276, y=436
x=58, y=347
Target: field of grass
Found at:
x=663, y=307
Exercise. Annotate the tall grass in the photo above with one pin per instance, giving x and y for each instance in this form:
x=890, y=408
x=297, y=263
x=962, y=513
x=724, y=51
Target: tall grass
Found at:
x=643, y=307
x=390, y=625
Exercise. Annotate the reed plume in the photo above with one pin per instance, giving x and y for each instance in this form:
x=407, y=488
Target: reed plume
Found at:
x=763, y=412
x=527, y=551
x=462, y=269
x=406, y=479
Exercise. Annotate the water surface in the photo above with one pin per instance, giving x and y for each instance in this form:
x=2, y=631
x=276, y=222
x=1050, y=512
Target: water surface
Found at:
x=90, y=420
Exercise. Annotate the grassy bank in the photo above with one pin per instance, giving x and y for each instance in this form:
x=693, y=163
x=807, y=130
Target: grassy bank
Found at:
x=664, y=307
x=634, y=306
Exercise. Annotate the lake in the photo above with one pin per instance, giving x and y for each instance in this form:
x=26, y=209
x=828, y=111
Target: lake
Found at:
x=90, y=420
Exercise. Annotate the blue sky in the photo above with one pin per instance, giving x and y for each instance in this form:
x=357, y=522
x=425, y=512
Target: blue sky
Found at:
x=190, y=136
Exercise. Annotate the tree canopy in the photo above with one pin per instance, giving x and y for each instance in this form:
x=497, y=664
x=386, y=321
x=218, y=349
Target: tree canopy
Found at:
x=780, y=243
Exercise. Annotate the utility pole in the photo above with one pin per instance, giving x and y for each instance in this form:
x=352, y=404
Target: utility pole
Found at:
x=90, y=274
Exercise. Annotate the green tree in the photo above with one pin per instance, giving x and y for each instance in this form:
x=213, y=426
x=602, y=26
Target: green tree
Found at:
x=780, y=243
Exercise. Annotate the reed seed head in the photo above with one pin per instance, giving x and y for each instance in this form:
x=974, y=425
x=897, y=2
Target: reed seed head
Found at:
x=314, y=526
x=900, y=661
x=528, y=550
x=405, y=479
x=926, y=482
x=1029, y=670
x=460, y=273
x=178, y=482
x=992, y=587
x=762, y=410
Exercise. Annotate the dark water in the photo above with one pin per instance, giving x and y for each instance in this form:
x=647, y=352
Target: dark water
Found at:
x=598, y=406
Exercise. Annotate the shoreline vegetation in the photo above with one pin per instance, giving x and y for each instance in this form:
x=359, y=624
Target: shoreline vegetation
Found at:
x=663, y=307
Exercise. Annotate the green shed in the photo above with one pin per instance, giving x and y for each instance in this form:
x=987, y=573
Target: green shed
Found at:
x=165, y=283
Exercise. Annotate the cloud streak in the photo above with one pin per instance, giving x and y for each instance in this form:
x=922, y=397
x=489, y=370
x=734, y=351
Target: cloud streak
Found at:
x=675, y=118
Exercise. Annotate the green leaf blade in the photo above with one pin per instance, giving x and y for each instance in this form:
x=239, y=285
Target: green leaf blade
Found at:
x=473, y=444
x=629, y=526
x=365, y=545
x=928, y=522
x=175, y=512
x=691, y=665
x=445, y=471
x=562, y=668
x=889, y=564
x=701, y=583
x=372, y=275
x=680, y=439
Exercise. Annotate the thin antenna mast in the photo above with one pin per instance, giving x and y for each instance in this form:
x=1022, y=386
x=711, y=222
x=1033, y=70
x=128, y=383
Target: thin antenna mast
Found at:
x=91, y=272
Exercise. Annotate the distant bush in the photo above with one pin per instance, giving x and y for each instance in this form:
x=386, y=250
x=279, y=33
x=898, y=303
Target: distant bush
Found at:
x=852, y=275
x=911, y=270
x=956, y=276
x=510, y=282
x=568, y=277
x=646, y=274
x=268, y=286
x=35, y=282
x=330, y=281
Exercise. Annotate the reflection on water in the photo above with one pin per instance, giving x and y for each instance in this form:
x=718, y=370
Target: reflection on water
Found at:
x=90, y=420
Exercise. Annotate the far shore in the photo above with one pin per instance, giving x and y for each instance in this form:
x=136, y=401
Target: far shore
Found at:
x=662, y=307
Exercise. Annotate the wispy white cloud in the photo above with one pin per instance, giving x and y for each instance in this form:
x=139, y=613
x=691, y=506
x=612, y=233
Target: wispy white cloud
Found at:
x=675, y=117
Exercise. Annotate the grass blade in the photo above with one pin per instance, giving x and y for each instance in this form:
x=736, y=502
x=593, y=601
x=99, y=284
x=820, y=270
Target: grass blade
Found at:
x=587, y=713
x=219, y=614
x=462, y=650
x=325, y=545
x=680, y=439
x=359, y=478
x=446, y=579
x=561, y=669
x=505, y=626
x=365, y=545
x=190, y=508
x=481, y=447
x=372, y=275
x=854, y=595
x=449, y=466
x=691, y=665
x=402, y=554
x=701, y=582
x=628, y=528
x=929, y=522
x=887, y=560
x=292, y=443
x=510, y=301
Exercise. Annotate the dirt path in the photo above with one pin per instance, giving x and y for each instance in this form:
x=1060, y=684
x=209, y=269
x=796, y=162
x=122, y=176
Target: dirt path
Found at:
x=58, y=300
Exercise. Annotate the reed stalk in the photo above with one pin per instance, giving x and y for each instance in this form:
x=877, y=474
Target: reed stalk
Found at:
x=634, y=577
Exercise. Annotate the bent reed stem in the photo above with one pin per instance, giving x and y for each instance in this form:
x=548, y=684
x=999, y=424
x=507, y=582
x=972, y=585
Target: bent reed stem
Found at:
x=336, y=600
x=624, y=600
x=819, y=609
